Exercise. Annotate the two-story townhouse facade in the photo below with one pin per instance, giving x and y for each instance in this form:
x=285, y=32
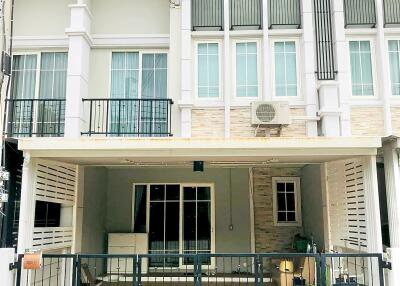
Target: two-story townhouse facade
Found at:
x=204, y=141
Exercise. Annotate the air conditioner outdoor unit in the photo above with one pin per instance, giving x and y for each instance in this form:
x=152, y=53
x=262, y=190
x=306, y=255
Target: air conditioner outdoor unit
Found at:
x=270, y=113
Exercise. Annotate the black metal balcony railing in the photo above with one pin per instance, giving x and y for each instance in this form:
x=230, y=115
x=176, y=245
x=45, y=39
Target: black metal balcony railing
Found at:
x=245, y=14
x=35, y=117
x=128, y=117
x=392, y=12
x=207, y=15
x=284, y=14
x=207, y=269
x=360, y=13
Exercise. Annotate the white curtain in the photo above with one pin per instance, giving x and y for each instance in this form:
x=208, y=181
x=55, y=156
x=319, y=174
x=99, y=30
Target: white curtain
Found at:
x=246, y=70
x=285, y=69
x=394, y=58
x=208, y=70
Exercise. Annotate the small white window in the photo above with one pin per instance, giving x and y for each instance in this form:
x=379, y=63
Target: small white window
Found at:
x=394, y=58
x=208, y=73
x=361, y=68
x=246, y=70
x=287, y=201
x=285, y=69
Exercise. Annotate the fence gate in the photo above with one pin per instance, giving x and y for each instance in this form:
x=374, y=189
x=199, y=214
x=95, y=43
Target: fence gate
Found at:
x=204, y=269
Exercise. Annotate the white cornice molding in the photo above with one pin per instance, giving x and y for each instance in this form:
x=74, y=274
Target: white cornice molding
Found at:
x=131, y=40
x=39, y=42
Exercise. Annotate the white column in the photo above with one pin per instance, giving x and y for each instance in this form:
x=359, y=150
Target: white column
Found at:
x=186, y=101
x=310, y=87
x=343, y=72
x=392, y=179
x=78, y=211
x=27, y=205
x=266, y=57
x=373, y=217
x=383, y=68
x=78, y=68
x=227, y=70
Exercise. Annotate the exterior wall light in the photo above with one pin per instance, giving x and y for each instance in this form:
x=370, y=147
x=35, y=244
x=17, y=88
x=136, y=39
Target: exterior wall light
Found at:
x=198, y=166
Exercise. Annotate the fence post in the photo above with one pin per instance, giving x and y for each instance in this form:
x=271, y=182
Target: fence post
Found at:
x=320, y=260
x=74, y=268
x=197, y=269
x=137, y=272
x=78, y=270
x=258, y=271
x=19, y=269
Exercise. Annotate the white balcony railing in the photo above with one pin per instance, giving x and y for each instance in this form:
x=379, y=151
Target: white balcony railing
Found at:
x=52, y=237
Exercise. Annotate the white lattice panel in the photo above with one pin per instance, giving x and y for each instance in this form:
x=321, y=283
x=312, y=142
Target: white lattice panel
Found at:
x=55, y=183
x=347, y=204
x=52, y=237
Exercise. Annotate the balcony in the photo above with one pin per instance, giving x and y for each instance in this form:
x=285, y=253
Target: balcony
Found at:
x=35, y=117
x=284, y=14
x=392, y=12
x=207, y=15
x=128, y=117
x=245, y=14
x=360, y=13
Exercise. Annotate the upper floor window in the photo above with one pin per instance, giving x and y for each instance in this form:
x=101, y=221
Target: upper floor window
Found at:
x=208, y=72
x=361, y=68
x=287, y=206
x=285, y=68
x=246, y=70
x=394, y=58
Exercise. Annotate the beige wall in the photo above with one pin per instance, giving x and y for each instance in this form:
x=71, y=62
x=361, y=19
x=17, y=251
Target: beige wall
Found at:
x=241, y=127
x=130, y=17
x=41, y=17
x=396, y=120
x=367, y=121
x=208, y=122
x=268, y=237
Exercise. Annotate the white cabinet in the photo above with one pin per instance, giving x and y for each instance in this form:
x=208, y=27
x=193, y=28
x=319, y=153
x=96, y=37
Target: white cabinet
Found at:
x=126, y=243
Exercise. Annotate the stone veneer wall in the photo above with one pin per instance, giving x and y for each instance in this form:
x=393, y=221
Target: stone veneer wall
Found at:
x=396, y=120
x=241, y=124
x=367, y=121
x=208, y=122
x=268, y=237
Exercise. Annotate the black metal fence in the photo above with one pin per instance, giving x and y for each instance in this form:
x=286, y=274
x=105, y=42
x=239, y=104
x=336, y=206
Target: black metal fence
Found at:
x=128, y=117
x=206, y=269
x=207, y=15
x=245, y=14
x=360, y=13
x=284, y=14
x=35, y=117
x=324, y=40
x=392, y=12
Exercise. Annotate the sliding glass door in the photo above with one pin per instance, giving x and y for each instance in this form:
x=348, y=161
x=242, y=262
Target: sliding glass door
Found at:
x=179, y=219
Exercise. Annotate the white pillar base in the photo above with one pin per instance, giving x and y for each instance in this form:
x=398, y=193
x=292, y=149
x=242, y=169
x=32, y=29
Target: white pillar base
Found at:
x=7, y=256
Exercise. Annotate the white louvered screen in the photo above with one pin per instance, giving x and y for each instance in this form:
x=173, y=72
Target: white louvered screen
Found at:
x=55, y=182
x=52, y=237
x=347, y=204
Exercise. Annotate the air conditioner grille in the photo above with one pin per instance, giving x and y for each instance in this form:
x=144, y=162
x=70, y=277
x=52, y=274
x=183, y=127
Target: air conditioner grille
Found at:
x=265, y=112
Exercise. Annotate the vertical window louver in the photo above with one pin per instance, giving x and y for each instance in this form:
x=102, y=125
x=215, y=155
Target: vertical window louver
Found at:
x=324, y=40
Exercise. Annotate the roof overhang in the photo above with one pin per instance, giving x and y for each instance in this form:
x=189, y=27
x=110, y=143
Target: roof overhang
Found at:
x=118, y=150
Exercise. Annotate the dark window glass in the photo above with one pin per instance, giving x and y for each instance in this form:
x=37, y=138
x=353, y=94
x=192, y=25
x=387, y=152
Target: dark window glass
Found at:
x=157, y=192
x=291, y=216
x=47, y=214
x=291, y=206
x=156, y=235
x=173, y=192
x=203, y=193
x=189, y=193
x=203, y=226
x=140, y=209
x=280, y=187
x=281, y=216
x=172, y=226
x=281, y=202
x=189, y=226
x=290, y=187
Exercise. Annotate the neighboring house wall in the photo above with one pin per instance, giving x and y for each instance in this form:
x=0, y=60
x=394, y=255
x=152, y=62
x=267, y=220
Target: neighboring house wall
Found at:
x=208, y=122
x=312, y=210
x=268, y=237
x=367, y=121
x=41, y=17
x=130, y=17
x=119, y=200
x=94, y=210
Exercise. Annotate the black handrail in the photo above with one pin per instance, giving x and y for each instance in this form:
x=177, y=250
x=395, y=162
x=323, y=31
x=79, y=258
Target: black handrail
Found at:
x=128, y=117
x=359, y=13
x=284, y=14
x=207, y=15
x=35, y=117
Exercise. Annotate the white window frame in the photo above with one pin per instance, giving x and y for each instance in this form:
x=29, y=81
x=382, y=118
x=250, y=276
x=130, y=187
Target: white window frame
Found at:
x=205, y=100
x=392, y=96
x=299, y=95
x=141, y=53
x=240, y=101
x=181, y=186
x=297, y=196
x=363, y=98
